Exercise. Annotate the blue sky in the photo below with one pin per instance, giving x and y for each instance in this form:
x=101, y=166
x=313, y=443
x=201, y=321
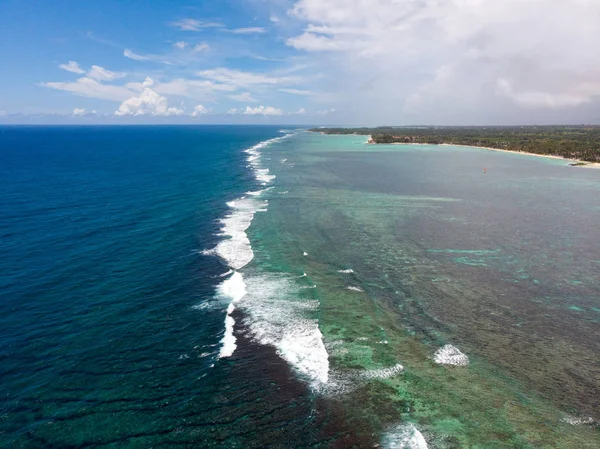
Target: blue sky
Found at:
x=299, y=61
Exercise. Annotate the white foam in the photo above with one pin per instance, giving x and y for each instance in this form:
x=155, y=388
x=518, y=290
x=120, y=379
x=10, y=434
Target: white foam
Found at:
x=578, y=421
x=347, y=271
x=383, y=373
x=278, y=316
x=235, y=249
x=404, y=436
x=355, y=289
x=450, y=355
x=305, y=253
x=259, y=192
x=233, y=289
x=262, y=175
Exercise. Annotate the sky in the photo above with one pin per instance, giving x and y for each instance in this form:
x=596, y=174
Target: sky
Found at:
x=320, y=62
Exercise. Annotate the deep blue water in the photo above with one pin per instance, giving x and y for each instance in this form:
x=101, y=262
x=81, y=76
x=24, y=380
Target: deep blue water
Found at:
x=100, y=236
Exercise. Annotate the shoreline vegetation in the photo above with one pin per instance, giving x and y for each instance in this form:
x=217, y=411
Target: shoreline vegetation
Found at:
x=578, y=145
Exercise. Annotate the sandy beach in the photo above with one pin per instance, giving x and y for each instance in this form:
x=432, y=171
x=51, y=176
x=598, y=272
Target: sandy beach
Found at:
x=586, y=164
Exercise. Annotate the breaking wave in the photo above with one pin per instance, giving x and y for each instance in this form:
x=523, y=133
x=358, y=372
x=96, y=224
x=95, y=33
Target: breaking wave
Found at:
x=450, y=355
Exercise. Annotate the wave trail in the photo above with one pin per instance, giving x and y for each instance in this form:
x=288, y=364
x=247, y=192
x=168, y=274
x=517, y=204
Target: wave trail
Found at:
x=233, y=289
x=235, y=248
x=278, y=315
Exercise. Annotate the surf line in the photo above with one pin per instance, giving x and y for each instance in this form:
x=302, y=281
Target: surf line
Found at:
x=235, y=248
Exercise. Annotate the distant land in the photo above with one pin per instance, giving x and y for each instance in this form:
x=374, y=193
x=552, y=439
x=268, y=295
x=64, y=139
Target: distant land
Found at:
x=580, y=143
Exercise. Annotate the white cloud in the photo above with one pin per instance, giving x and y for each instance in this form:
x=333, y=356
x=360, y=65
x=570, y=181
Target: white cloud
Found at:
x=243, y=79
x=546, y=100
x=193, y=24
x=73, y=67
x=82, y=111
x=297, y=91
x=147, y=103
x=274, y=18
x=192, y=88
x=138, y=87
x=249, y=30
x=203, y=46
x=89, y=87
x=262, y=110
x=131, y=55
x=102, y=74
x=243, y=97
x=300, y=111
x=180, y=45
x=154, y=58
x=326, y=111
x=233, y=111
x=199, y=110
x=454, y=60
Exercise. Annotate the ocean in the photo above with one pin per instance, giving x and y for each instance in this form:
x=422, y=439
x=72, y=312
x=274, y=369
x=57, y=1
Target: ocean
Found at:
x=253, y=286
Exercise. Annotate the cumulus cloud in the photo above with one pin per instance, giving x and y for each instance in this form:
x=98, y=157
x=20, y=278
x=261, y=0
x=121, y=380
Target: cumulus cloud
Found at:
x=243, y=97
x=300, y=111
x=233, y=111
x=199, y=110
x=453, y=60
x=101, y=74
x=193, y=24
x=262, y=110
x=180, y=45
x=540, y=99
x=147, y=103
x=203, y=46
x=82, y=111
x=72, y=67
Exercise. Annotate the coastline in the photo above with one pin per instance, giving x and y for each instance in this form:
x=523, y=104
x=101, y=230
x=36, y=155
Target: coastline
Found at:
x=570, y=162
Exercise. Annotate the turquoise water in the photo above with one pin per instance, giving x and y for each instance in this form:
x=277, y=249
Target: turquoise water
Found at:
x=254, y=287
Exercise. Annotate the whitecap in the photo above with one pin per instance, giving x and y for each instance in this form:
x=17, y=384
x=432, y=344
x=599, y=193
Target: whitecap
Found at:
x=278, y=316
x=450, y=355
x=355, y=289
x=404, y=436
x=305, y=253
x=347, y=271
x=262, y=175
x=383, y=373
x=235, y=249
x=233, y=289
x=578, y=421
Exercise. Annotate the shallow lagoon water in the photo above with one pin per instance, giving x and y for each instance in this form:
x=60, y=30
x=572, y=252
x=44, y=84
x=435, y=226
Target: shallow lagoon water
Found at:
x=501, y=264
